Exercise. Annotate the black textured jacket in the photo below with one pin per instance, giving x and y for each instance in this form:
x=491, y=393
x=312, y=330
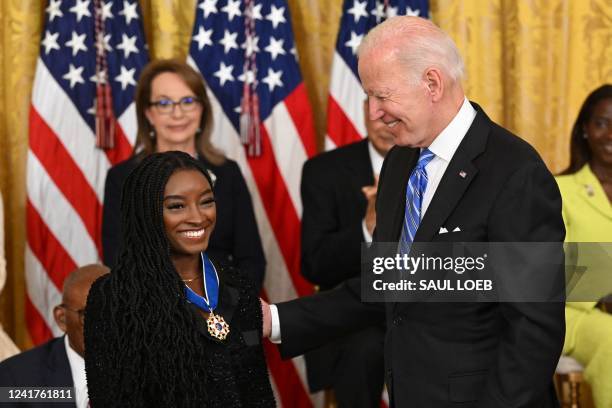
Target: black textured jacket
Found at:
x=235, y=369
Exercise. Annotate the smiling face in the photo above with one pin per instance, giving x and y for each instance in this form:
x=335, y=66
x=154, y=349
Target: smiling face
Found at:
x=175, y=130
x=599, y=132
x=189, y=212
x=405, y=109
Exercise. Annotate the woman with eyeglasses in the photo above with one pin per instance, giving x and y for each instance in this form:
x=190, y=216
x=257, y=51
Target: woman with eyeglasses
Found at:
x=174, y=113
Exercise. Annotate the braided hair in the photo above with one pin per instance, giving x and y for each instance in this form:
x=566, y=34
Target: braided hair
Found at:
x=152, y=327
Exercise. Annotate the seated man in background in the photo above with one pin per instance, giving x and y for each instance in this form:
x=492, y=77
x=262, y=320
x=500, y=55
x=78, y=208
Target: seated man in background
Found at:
x=59, y=362
x=339, y=196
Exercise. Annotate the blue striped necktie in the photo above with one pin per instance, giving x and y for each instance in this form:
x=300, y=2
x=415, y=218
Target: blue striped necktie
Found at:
x=414, y=199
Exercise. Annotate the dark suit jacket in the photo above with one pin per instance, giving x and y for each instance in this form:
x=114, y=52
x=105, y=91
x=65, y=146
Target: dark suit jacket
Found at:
x=334, y=207
x=45, y=366
x=235, y=239
x=485, y=355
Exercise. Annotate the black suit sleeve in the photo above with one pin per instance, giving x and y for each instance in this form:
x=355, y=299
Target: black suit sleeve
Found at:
x=312, y=321
x=111, y=218
x=247, y=250
x=330, y=251
x=527, y=210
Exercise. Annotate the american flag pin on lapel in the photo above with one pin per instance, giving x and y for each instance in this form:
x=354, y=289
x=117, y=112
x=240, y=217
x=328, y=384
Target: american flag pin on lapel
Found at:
x=462, y=174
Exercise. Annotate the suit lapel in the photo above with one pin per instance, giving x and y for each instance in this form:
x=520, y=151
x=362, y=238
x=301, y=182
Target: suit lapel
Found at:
x=456, y=179
x=58, y=364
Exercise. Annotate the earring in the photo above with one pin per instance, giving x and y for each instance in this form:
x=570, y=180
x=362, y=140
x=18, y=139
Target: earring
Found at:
x=152, y=134
x=198, y=130
x=585, y=135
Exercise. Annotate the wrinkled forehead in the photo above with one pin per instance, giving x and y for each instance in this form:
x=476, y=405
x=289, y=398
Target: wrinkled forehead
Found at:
x=378, y=70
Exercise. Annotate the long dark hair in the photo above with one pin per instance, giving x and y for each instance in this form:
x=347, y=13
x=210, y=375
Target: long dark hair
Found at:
x=152, y=329
x=580, y=153
x=196, y=83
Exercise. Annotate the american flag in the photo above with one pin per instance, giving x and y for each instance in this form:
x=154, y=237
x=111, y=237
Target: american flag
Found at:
x=345, y=121
x=219, y=49
x=65, y=169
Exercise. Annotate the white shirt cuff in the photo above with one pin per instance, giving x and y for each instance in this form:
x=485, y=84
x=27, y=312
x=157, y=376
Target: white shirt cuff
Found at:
x=275, y=335
x=366, y=234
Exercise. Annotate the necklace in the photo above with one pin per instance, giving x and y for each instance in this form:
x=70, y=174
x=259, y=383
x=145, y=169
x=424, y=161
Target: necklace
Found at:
x=191, y=280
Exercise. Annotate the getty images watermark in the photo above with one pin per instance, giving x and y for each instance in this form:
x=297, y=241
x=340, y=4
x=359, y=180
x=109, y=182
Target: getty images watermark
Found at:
x=486, y=272
x=412, y=264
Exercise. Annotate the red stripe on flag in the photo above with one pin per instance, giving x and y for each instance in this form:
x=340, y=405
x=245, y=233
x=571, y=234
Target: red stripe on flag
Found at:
x=288, y=382
x=301, y=114
x=122, y=150
x=39, y=332
x=66, y=175
x=45, y=246
x=280, y=211
x=339, y=127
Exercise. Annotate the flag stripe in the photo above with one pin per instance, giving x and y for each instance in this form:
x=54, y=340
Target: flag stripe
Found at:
x=225, y=138
x=64, y=119
x=300, y=116
x=66, y=171
x=39, y=332
x=123, y=146
x=41, y=293
x=66, y=175
x=287, y=151
x=340, y=128
x=286, y=378
x=47, y=249
x=281, y=214
x=60, y=217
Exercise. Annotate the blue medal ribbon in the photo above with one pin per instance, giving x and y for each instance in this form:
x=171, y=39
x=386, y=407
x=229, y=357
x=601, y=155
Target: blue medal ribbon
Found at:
x=211, y=287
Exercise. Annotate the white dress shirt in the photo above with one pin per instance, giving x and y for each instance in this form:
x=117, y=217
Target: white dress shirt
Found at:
x=77, y=367
x=444, y=147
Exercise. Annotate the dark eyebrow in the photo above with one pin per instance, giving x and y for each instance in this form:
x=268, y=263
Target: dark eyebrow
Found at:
x=174, y=197
x=180, y=197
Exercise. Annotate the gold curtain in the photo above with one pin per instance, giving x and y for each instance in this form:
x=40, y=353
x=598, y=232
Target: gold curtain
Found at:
x=529, y=63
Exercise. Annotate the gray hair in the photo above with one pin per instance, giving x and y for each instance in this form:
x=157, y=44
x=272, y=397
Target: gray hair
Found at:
x=418, y=44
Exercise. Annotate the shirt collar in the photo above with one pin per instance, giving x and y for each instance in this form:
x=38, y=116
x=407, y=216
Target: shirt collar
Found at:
x=376, y=159
x=446, y=143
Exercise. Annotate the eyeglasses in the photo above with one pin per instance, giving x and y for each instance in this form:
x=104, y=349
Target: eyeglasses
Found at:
x=166, y=106
x=80, y=312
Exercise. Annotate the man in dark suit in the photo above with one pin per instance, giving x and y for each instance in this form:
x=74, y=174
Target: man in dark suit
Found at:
x=59, y=362
x=467, y=176
x=338, y=196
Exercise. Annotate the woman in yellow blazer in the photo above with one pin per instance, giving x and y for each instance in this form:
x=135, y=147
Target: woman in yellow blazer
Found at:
x=586, y=189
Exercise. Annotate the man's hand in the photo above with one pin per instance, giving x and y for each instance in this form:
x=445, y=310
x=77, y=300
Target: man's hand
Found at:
x=370, y=195
x=267, y=318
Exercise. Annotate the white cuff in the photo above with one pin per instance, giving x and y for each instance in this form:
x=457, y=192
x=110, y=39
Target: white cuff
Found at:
x=366, y=234
x=275, y=334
